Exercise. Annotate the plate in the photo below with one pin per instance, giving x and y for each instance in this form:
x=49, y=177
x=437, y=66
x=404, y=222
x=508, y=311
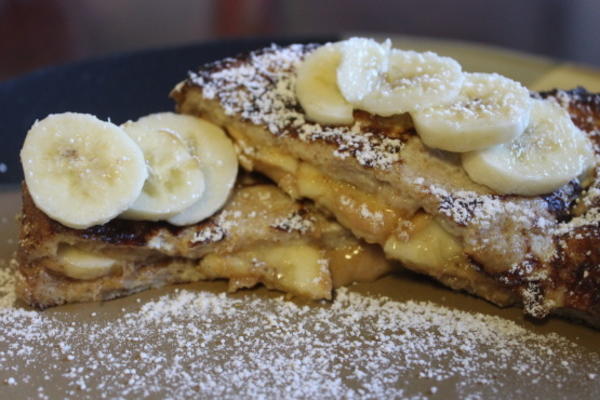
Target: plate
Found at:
x=418, y=341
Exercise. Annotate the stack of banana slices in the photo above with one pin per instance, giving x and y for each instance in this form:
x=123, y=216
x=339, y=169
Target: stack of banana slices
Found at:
x=82, y=171
x=508, y=141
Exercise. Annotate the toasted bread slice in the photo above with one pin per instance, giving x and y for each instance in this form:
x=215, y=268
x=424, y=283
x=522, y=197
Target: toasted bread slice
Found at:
x=260, y=236
x=418, y=204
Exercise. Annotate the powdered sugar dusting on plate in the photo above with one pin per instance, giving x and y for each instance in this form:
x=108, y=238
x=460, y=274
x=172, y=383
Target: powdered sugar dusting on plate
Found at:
x=199, y=344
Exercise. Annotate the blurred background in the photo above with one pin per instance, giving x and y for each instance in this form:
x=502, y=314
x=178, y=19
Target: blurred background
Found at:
x=36, y=33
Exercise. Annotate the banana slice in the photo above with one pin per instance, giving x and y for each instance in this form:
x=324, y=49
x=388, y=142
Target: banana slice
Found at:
x=317, y=90
x=81, y=171
x=551, y=152
x=215, y=153
x=175, y=179
x=490, y=109
x=363, y=62
x=413, y=81
x=81, y=264
x=218, y=159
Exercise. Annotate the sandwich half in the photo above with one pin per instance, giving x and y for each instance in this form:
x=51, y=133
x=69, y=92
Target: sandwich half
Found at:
x=261, y=236
x=379, y=180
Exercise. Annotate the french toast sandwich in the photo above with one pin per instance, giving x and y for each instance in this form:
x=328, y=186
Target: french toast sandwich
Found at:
x=260, y=236
x=379, y=180
x=111, y=210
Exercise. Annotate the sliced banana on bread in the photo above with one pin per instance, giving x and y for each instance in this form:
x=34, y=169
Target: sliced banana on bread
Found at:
x=317, y=88
x=175, y=178
x=413, y=81
x=82, y=171
x=210, y=151
x=490, y=109
x=451, y=110
x=550, y=153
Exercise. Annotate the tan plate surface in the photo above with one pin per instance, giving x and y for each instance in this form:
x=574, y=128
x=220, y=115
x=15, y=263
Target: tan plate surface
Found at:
x=115, y=350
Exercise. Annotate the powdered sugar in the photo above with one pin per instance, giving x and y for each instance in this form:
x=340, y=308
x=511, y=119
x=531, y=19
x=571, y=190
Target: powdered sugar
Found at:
x=466, y=207
x=261, y=90
x=590, y=219
x=366, y=213
x=218, y=228
x=363, y=209
x=200, y=344
x=295, y=222
x=209, y=234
